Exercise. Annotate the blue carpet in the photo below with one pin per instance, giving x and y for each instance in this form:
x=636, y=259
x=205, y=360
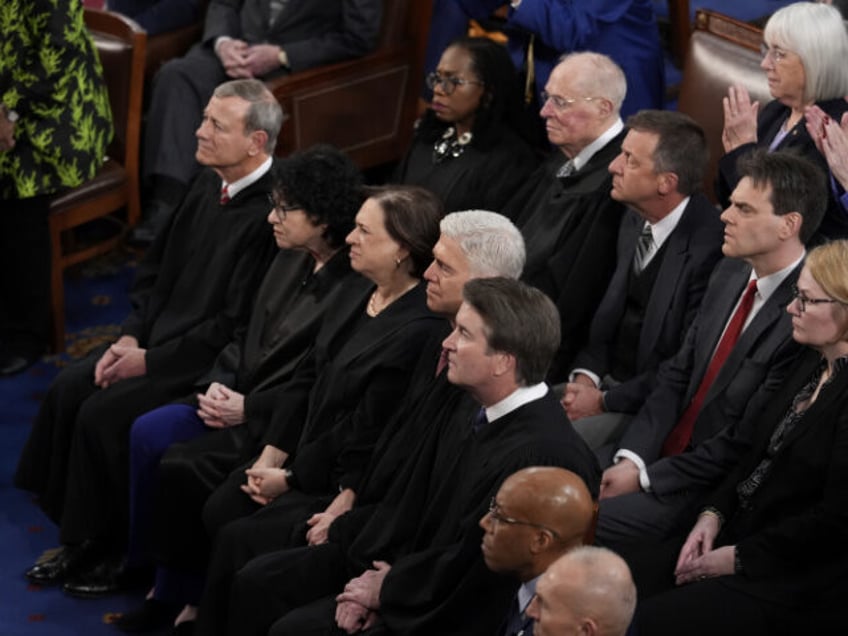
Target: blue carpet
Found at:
x=96, y=302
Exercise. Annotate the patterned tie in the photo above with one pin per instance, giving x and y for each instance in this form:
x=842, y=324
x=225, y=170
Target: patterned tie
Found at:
x=567, y=169
x=643, y=248
x=225, y=195
x=680, y=435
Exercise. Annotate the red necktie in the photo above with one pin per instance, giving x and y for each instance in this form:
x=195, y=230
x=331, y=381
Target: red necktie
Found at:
x=225, y=195
x=680, y=435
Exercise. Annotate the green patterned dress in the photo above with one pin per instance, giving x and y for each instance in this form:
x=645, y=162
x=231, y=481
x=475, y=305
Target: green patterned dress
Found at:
x=51, y=76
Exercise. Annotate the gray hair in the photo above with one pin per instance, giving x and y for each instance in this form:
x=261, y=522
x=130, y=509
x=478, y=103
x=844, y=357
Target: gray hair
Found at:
x=490, y=242
x=817, y=34
x=264, y=113
x=600, y=76
x=605, y=588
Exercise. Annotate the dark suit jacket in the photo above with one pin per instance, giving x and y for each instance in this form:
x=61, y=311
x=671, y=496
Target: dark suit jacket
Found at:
x=688, y=258
x=570, y=226
x=793, y=539
x=835, y=222
x=746, y=382
x=311, y=32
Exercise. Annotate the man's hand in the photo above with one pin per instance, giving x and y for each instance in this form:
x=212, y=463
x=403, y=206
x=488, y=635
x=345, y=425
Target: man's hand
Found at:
x=233, y=56
x=832, y=141
x=353, y=617
x=620, y=479
x=262, y=58
x=365, y=589
x=220, y=406
x=124, y=359
x=740, y=118
x=265, y=484
x=717, y=562
x=580, y=401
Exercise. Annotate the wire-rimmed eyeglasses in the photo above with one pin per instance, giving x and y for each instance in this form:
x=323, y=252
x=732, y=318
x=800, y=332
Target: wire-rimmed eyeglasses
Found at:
x=496, y=514
x=563, y=103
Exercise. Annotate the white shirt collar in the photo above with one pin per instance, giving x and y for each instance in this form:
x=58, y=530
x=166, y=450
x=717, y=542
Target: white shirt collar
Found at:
x=518, y=398
x=767, y=285
x=663, y=228
x=237, y=186
x=526, y=593
x=583, y=157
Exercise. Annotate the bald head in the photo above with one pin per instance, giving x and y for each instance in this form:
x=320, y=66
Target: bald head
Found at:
x=540, y=513
x=588, y=590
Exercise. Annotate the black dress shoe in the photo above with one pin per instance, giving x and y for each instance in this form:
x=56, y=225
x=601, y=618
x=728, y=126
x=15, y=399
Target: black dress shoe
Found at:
x=67, y=561
x=99, y=579
x=153, y=615
x=13, y=363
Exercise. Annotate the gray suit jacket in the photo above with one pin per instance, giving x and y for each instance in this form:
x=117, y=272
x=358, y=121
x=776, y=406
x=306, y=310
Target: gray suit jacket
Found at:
x=749, y=377
x=312, y=32
x=688, y=258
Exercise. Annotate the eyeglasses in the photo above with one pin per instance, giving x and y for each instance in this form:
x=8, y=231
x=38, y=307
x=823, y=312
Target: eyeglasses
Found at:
x=281, y=208
x=495, y=514
x=803, y=301
x=776, y=54
x=448, y=84
x=563, y=103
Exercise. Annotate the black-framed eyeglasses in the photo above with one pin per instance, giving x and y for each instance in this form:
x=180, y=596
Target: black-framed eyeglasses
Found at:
x=803, y=300
x=281, y=208
x=775, y=53
x=448, y=84
x=496, y=514
x=564, y=103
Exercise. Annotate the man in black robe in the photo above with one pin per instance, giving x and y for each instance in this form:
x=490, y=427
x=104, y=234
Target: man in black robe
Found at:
x=192, y=291
x=415, y=566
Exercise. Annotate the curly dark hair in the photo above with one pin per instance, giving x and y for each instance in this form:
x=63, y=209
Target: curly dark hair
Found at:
x=500, y=106
x=326, y=184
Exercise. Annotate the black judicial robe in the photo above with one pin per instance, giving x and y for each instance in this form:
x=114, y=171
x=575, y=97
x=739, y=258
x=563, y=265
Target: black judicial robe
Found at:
x=570, y=226
x=191, y=293
x=476, y=180
x=427, y=525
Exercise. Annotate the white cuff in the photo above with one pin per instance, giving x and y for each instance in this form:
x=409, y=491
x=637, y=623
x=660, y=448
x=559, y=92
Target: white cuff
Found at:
x=644, y=480
x=220, y=40
x=594, y=377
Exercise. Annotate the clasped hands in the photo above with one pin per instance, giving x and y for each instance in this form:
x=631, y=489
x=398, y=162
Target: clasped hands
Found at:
x=266, y=480
x=220, y=406
x=244, y=61
x=698, y=560
x=123, y=359
x=581, y=398
x=357, y=605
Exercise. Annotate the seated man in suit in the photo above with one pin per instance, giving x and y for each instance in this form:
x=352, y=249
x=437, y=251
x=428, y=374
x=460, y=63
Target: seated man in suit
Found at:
x=695, y=424
x=569, y=222
x=250, y=39
x=588, y=590
x=539, y=514
x=192, y=293
x=668, y=244
x=423, y=539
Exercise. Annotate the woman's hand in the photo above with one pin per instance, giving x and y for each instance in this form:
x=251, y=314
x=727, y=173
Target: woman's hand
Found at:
x=265, y=484
x=740, y=119
x=697, y=559
x=220, y=406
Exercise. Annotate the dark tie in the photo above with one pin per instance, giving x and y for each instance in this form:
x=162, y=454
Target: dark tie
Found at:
x=480, y=419
x=643, y=247
x=680, y=435
x=225, y=195
x=515, y=618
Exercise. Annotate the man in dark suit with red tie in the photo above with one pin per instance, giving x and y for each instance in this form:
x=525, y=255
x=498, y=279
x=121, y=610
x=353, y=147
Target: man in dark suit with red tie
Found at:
x=695, y=424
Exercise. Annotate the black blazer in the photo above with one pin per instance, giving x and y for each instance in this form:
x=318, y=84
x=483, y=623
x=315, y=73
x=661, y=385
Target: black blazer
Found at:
x=746, y=382
x=835, y=222
x=793, y=539
x=689, y=255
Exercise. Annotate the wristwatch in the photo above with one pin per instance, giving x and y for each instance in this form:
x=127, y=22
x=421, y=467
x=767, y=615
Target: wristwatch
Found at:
x=283, y=58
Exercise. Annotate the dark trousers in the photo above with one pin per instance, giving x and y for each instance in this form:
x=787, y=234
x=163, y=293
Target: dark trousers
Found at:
x=24, y=274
